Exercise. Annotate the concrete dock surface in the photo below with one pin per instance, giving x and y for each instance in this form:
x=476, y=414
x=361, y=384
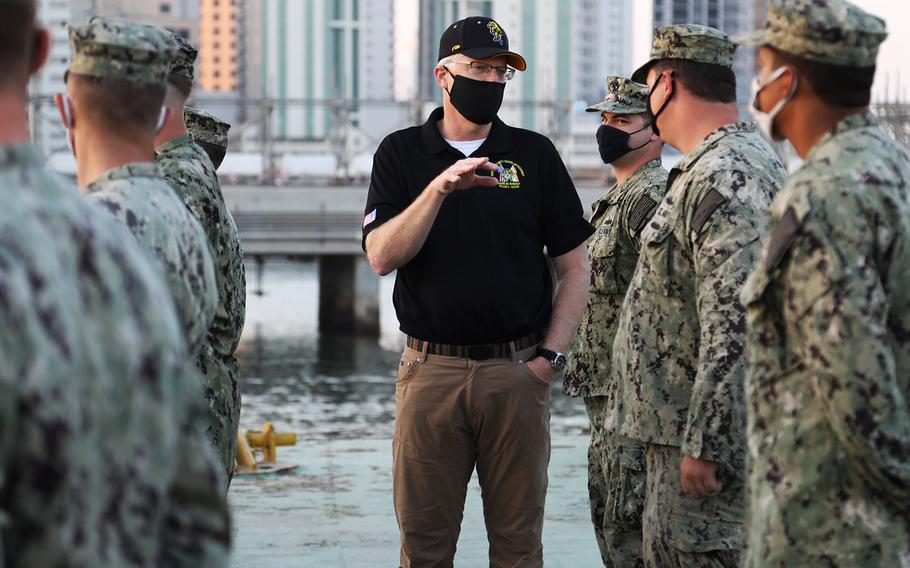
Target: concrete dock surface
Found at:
x=335, y=510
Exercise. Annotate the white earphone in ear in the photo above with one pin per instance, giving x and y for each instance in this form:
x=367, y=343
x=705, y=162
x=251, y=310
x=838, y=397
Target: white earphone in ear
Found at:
x=66, y=110
x=162, y=117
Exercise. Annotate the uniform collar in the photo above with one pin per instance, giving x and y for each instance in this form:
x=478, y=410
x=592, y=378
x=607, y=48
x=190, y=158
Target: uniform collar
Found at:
x=174, y=143
x=710, y=140
x=611, y=194
x=852, y=122
x=498, y=141
x=643, y=170
x=17, y=154
x=126, y=171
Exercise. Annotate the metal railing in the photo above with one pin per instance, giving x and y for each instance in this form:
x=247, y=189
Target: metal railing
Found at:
x=331, y=142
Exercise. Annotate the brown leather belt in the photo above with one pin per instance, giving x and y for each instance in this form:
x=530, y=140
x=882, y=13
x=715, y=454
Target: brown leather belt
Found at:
x=475, y=352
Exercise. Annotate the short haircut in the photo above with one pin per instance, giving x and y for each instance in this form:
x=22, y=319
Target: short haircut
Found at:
x=836, y=85
x=17, y=40
x=183, y=84
x=216, y=153
x=122, y=107
x=708, y=81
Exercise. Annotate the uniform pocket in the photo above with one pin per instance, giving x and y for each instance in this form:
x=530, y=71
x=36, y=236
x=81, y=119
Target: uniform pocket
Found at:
x=602, y=250
x=659, y=258
x=626, y=487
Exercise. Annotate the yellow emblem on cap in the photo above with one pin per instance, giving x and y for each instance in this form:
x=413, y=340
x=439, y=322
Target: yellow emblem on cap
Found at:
x=456, y=47
x=495, y=31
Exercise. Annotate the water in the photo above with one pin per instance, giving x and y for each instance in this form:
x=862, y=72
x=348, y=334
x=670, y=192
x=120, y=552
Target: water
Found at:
x=337, y=393
x=330, y=386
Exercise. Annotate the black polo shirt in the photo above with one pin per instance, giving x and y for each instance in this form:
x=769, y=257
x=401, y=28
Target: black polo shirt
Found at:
x=481, y=277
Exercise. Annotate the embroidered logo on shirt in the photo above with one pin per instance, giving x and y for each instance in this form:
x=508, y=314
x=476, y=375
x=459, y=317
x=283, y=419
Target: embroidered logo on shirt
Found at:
x=510, y=174
x=369, y=217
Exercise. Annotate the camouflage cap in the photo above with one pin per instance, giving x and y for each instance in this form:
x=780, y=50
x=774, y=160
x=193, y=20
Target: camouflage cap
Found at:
x=624, y=96
x=184, y=56
x=117, y=49
x=206, y=127
x=688, y=41
x=827, y=31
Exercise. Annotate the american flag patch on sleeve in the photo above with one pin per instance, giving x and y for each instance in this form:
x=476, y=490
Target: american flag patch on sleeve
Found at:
x=369, y=217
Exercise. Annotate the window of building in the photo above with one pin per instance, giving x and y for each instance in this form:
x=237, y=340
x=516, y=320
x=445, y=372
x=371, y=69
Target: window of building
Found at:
x=164, y=8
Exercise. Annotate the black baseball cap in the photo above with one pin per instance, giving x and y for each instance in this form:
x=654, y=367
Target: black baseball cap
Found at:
x=478, y=37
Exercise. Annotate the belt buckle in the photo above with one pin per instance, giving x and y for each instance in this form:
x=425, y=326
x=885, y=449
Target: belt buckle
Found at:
x=477, y=352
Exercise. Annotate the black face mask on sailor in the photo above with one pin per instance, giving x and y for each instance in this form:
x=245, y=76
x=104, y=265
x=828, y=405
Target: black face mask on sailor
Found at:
x=478, y=101
x=613, y=143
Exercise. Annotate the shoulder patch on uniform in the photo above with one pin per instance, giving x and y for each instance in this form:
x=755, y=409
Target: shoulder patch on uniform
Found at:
x=709, y=204
x=641, y=212
x=782, y=235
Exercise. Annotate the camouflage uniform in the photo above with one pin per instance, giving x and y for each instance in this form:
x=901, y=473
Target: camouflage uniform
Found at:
x=209, y=131
x=679, y=344
x=828, y=378
x=136, y=193
x=616, y=479
x=190, y=172
x=103, y=457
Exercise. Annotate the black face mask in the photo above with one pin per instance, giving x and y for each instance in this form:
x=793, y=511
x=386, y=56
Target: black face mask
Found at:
x=653, y=115
x=478, y=101
x=613, y=143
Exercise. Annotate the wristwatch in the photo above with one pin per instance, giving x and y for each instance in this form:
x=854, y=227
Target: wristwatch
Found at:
x=557, y=360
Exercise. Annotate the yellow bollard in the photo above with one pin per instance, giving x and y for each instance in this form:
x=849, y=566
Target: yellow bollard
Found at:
x=266, y=441
x=245, y=459
x=256, y=438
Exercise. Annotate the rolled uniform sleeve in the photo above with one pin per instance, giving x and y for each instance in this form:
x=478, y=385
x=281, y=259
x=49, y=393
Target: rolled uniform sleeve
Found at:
x=564, y=224
x=840, y=308
x=388, y=194
x=726, y=246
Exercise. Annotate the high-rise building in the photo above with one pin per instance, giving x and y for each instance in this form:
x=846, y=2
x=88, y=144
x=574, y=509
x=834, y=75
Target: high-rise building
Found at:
x=312, y=56
x=729, y=16
x=220, y=45
x=180, y=16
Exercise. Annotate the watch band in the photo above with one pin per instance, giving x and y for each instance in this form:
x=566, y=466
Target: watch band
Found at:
x=547, y=354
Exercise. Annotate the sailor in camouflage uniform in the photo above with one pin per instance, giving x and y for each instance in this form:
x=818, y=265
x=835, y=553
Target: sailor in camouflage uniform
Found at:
x=190, y=172
x=103, y=455
x=680, y=338
x=209, y=132
x=616, y=477
x=129, y=61
x=828, y=377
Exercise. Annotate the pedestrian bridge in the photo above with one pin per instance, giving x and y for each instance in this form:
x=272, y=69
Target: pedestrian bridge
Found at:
x=298, y=222
x=306, y=222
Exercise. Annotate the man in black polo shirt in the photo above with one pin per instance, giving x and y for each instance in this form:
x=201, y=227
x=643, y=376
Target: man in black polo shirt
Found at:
x=475, y=297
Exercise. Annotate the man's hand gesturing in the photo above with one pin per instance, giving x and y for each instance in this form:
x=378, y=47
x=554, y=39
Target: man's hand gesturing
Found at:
x=461, y=175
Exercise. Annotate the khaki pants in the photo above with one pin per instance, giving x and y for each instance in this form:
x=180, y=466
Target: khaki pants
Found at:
x=454, y=414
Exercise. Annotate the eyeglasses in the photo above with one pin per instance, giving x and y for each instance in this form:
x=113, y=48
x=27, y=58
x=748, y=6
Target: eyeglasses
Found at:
x=480, y=70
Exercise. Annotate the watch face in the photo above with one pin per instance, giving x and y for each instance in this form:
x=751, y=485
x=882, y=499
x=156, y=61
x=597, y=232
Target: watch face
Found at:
x=560, y=362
